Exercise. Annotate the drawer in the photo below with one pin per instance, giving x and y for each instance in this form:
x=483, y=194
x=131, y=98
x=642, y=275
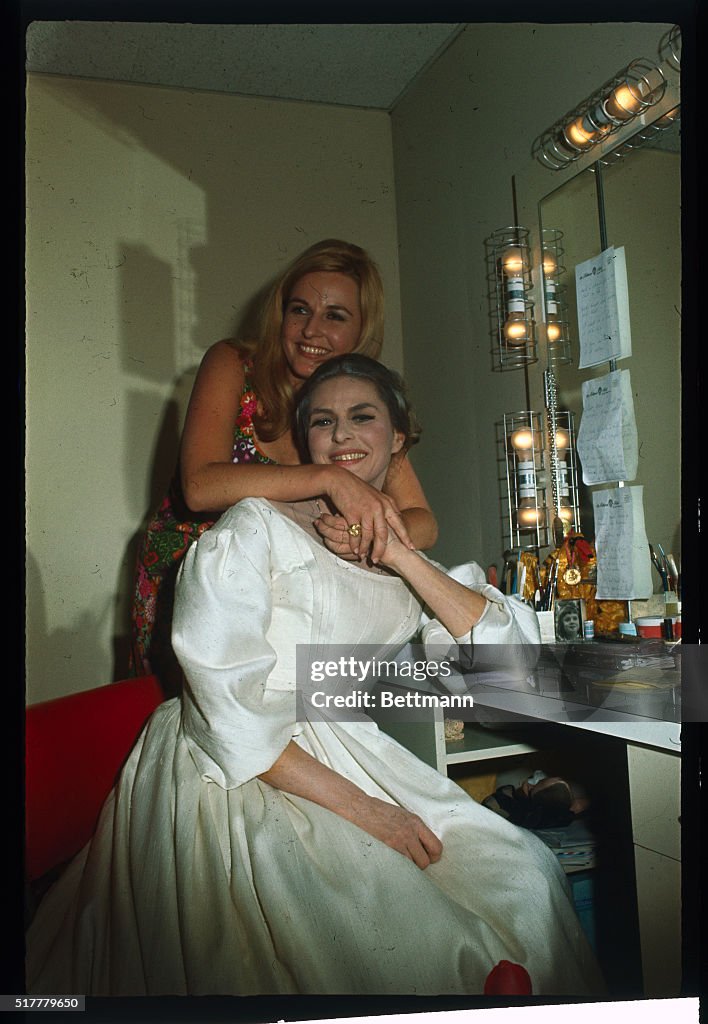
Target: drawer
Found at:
x=659, y=907
x=655, y=794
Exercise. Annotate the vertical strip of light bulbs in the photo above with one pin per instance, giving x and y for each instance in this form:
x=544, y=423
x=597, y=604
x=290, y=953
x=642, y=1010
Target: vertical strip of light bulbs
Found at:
x=512, y=310
x=562, y=464
x=514, y=260
x=524, y=444
x=565, y=469
x=554, y=309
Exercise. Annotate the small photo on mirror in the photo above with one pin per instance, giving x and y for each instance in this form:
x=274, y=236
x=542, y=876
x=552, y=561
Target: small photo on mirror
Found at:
x=569, y=618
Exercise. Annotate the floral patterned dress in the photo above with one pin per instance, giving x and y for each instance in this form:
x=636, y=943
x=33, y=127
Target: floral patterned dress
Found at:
x=169, y=534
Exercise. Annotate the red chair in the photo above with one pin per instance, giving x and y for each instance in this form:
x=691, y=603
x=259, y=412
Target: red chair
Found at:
x=75, y=747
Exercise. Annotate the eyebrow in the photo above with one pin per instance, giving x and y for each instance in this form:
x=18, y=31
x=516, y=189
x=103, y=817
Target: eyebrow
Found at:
x=352, y=408
x=330, y=305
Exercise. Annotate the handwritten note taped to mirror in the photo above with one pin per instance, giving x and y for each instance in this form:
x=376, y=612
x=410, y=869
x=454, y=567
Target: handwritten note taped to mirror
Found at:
x=623, y=560
x=603, y=308
x=607, y=443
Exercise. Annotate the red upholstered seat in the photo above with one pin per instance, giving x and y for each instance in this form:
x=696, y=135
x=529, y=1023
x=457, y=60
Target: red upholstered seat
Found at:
x=74, y=748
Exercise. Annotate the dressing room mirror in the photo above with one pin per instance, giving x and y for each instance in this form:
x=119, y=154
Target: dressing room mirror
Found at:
x=639, y=196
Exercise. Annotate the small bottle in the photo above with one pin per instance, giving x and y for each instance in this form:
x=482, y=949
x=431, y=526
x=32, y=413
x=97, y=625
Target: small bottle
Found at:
x=589, y=629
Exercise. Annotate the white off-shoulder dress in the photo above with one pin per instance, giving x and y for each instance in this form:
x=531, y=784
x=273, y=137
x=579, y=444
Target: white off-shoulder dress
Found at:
x=201, y=879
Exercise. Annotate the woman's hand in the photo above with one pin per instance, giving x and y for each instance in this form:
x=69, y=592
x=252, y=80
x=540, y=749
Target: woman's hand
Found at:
x=393, y=551
x=298, y=772
x=335, y=535
x=397, y=828
x=374, y=511
x=333, y=531
x=457, y=607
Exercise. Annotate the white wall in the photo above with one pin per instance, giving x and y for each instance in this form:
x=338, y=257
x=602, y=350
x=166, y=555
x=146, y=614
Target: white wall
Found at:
x=154, y=217
x=460, y=136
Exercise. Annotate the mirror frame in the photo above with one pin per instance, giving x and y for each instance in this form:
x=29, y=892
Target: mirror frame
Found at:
x=538, y=181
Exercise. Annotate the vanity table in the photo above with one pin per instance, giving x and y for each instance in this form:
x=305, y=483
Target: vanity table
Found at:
x=630, y=761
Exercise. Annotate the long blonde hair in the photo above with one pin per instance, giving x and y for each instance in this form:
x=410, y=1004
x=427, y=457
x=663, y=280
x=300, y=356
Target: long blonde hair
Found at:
x=270, y=369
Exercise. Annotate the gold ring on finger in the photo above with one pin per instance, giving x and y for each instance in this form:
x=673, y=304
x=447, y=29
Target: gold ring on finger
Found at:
x=354, y=530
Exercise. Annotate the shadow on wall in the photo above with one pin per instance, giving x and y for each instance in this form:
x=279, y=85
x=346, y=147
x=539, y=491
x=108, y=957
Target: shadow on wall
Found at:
x=247, y=184
x=57, y=645
x=144, y=406
x=147, y=315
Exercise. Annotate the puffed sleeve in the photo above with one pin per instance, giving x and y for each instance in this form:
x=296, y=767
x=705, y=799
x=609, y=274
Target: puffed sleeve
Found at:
x=234, y=724
x=507, y=636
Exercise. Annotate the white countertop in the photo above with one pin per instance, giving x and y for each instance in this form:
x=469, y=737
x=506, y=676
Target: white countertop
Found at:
x=634, y=728
x=567, y=709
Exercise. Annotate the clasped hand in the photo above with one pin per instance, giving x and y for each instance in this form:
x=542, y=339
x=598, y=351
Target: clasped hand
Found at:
x=376, y=513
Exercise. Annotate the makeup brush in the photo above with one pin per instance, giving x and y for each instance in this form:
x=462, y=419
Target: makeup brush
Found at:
x=659, y=568
x=548, y=593
x=670, y=597
x=665, y=564
x=675, y=574
x=507, y=571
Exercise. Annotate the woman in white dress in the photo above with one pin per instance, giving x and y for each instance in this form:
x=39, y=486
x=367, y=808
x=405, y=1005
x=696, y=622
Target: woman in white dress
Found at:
x=245, y=852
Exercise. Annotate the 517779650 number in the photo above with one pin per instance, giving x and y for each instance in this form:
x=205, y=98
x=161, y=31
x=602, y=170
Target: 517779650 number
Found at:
x=42, y=1003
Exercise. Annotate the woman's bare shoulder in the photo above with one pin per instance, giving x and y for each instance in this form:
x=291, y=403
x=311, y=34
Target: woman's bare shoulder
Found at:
x=227, y=351
x=223, y=368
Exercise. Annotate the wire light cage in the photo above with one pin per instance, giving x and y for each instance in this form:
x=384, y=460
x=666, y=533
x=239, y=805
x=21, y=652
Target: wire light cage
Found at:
x=670, y=54
x=564, y=472
x=647, y=135
x=524, y=441
x=625, y=96
x=670, y=48
x=555, y=312
x=511, y=308
x=562, y=460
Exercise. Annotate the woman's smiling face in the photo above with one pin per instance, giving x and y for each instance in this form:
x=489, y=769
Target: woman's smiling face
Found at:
x=350, y=426
x=322, y=319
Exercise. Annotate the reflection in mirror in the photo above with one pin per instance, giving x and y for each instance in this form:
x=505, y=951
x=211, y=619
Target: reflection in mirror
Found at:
x=641, y=201
x=555, y=320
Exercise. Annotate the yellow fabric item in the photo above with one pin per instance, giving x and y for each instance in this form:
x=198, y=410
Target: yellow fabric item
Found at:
x=478, y=786
x=605, y=614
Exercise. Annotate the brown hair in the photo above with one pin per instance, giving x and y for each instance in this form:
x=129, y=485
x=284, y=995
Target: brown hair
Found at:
x=389, y=386
x=270, y=377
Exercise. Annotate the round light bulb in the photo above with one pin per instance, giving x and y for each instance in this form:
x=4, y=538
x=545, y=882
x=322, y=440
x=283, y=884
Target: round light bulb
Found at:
x=579, y=134
x=550, y=263
x=529, y=515
x=565, y=512
x=516, y=331
x=522, y=440
x=562, y=440
x=624, y=102
x=553, y=331
x=514, y=261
